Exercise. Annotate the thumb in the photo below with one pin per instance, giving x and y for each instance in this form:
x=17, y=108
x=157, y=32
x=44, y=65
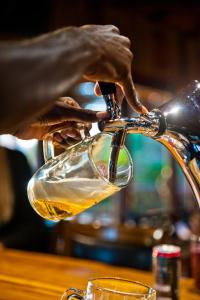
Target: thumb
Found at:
x=62, y=112
x=83, y=115
x=131, y=95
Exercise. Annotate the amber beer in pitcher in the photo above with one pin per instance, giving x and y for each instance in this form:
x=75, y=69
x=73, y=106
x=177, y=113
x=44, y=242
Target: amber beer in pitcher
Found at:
x=69, y=197
x=78, y=178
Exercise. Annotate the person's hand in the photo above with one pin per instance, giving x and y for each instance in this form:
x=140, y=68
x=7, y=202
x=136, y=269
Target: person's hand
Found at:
x=36, y=72
x=63, y=123
x=113, y=62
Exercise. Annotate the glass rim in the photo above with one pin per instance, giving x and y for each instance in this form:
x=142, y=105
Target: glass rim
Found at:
x=151, y=291
x=93, y=164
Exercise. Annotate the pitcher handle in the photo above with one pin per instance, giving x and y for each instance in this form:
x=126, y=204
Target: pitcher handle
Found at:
x=73, y=293
x=48, y=147
x=108, y=90
x=48, y=151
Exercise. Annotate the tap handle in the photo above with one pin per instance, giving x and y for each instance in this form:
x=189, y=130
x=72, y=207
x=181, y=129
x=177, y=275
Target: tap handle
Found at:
x=108, y=92
x=107, y=88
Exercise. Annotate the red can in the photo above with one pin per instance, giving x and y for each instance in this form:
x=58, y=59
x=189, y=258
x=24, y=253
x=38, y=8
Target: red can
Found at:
x=166, y=268
x=195, y=259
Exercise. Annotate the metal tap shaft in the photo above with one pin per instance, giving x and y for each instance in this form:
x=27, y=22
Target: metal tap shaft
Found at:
x=108, y=92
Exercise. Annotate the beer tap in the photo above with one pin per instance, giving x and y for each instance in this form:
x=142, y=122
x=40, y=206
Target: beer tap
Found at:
x=175, y=124
x=108, y=91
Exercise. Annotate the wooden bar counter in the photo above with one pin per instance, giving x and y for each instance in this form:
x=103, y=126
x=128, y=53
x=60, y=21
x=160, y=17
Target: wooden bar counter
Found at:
x=30, y=276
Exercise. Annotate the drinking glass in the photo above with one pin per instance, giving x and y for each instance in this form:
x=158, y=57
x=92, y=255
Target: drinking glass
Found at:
x=78, y=178
x=111, y=288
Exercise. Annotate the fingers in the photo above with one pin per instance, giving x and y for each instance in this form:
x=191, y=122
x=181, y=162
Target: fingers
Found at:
x=82, y=115
x=68, y=136
x=131, y=95
x=101, y=28
x=63, y=112
x=69, y=101
x=119, y=95
x=66, y=122
x=126, y=90
x=97, y=89
x=115, y=65
x=71, y=133
x=70, y=128
x=114, y=29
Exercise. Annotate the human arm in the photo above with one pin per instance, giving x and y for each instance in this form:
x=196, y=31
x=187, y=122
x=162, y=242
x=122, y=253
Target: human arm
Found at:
x=36, y=72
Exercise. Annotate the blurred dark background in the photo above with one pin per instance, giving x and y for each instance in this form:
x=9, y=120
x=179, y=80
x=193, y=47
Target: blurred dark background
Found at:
x=158, y=206
x=165, y=35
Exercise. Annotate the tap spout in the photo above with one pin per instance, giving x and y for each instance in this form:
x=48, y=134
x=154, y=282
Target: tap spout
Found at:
x=152, y=124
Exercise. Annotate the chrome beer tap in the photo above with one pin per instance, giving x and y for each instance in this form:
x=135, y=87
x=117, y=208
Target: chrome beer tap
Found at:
x=175, y=124
x=108, y=92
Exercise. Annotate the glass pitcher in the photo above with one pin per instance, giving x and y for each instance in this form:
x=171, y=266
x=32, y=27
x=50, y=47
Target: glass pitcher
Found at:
x=78, y=178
